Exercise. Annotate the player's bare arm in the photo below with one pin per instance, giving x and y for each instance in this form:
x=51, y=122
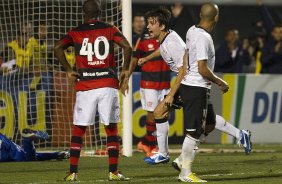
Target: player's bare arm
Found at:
x=154, y=54
x=134, y=60
x=59, y=53
x=132, y=65
x=124, y=75
x=181, y=73
x=208, y=74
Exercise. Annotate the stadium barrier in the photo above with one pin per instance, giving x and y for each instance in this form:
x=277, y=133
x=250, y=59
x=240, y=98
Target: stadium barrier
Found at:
x=253, y=102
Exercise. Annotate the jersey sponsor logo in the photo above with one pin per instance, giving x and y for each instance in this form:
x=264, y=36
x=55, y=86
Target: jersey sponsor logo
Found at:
x=92, y=74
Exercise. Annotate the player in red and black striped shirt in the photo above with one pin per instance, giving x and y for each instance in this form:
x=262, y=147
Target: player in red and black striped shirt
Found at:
x=155, y=83
x=97, y=82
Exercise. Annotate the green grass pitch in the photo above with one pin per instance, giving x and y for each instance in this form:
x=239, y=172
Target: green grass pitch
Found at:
x=264, y=165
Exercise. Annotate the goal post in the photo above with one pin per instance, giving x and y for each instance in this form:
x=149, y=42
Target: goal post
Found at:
x=127, y=100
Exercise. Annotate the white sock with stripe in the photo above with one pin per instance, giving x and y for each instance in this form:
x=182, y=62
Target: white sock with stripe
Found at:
x=162, y=137
x=226, y=127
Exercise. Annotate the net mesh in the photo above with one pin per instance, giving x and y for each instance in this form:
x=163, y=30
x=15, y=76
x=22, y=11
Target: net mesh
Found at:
x=35, y=92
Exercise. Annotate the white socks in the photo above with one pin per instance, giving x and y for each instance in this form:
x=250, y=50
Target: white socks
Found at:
x=162, y=137
x=226, y=127
x=189, y=148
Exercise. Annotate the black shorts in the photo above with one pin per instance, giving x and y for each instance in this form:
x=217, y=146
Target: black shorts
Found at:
x=197, y=108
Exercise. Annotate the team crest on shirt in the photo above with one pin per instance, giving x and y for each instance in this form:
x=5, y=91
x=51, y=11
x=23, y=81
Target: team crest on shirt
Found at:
x=151, y=47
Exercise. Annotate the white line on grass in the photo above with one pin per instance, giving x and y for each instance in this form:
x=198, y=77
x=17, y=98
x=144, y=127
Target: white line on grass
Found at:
x=154, y=178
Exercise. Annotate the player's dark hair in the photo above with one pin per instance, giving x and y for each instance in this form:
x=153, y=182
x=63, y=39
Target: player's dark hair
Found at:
x=162, y=14
x=230, y=29
x=92, y=8
x=138, y=14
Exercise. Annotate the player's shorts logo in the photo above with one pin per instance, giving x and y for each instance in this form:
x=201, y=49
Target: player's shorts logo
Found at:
x=79, y=109
x=149, y=104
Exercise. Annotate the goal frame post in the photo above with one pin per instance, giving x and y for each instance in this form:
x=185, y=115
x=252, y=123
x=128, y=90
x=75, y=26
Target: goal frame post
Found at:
x=127, y=100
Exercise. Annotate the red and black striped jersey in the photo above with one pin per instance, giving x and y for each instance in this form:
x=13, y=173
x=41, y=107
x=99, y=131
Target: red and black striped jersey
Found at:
x=155, y=73
x=94, y=52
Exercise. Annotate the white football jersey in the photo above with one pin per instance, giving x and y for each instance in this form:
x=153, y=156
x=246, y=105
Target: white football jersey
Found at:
x=199, y=46
x=172, y=50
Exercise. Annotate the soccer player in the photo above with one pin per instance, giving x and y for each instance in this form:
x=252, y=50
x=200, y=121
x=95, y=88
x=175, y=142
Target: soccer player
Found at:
x=155, y=76
x=173, y=51
x=199, y=116
x=11, y=152
x=97, y=83
x=155, y=83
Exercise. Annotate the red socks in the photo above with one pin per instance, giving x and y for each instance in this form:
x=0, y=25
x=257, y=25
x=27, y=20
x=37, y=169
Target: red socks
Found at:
x=112, y=146
x=75, y=146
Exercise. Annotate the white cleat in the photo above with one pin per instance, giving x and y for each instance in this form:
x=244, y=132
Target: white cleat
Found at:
x=176, y=164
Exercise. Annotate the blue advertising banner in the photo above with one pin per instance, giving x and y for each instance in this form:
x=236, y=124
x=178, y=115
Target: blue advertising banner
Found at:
x=25, y=102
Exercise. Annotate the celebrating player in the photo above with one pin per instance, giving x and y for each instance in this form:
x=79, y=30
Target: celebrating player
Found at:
x=11, y=152
x=155, y=76
x=155, y=83
x=97, y=86
x=172, y=50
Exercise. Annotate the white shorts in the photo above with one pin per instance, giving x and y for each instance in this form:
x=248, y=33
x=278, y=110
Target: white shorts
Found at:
x=150, y=98
x=105, y=100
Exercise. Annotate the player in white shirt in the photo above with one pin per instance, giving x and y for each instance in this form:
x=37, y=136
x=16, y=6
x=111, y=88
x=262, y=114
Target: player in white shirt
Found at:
x=170, y=44
x=199, y=116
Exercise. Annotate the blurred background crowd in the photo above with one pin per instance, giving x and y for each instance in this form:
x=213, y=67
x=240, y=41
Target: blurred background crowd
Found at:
x=247, y=38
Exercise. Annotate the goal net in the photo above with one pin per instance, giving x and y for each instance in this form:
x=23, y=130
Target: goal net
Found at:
x=35, y=92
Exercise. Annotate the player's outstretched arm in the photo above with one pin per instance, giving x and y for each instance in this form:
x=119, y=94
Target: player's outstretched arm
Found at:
x=208, y=74
x=154, y=54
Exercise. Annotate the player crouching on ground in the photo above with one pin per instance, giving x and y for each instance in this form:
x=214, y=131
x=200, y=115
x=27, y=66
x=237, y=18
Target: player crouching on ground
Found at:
x=11, y=152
